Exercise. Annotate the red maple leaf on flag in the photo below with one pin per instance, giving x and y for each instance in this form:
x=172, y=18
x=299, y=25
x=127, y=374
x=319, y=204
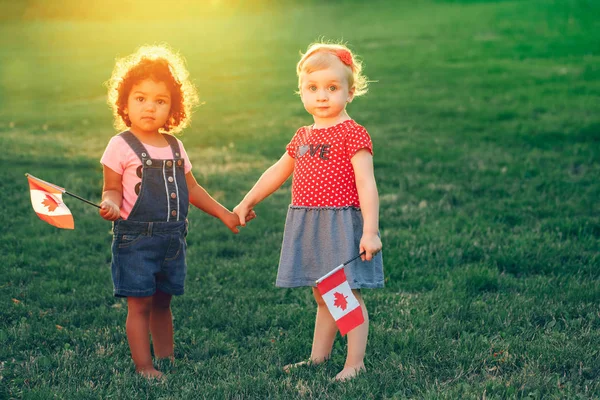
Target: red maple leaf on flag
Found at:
x=50, y=202
x=340, y=300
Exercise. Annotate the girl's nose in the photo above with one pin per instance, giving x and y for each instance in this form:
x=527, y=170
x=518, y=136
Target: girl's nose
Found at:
x=322, y=95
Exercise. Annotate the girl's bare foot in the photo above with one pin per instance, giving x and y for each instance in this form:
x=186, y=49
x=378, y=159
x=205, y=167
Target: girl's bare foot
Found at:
x=289, y=367
x=308, y=363
x=150, y=373
x=349, y=372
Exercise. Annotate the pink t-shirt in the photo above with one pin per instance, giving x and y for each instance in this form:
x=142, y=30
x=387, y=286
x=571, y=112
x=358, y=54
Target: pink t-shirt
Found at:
x=119, y=157
x=323, y=174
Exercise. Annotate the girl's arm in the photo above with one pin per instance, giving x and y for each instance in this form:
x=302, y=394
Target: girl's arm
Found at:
x=200, y=198
x=370, y=243
x=270, y=181
x=112, y=195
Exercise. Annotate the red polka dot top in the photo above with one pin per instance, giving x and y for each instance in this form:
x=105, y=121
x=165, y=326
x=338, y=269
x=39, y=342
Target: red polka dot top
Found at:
x=323, y=174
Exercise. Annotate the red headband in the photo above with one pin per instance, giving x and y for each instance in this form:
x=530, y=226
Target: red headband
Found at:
x=345, y=57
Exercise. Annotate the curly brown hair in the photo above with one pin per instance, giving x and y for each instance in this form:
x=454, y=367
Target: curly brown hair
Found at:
x=161, y=64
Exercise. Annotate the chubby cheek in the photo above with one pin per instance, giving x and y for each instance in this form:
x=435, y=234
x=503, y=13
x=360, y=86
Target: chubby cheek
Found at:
x=305, y=99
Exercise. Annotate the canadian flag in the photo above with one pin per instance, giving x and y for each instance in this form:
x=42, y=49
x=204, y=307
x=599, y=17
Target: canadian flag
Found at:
x=47, y=203
x=342, y=304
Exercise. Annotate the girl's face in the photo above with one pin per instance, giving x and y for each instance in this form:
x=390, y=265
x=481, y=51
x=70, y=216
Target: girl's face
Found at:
x=325, y=93
x=148, y=106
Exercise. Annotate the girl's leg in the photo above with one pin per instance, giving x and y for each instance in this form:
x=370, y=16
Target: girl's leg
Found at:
x=161, y=325
x=138, y=322
x=357, y=345
x=325, y=331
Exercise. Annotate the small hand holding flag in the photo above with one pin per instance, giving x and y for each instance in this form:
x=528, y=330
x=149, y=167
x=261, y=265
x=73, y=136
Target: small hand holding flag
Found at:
x=46, y=199
x=341, y=302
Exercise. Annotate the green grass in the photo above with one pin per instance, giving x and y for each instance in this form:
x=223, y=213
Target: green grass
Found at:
x=485, y=119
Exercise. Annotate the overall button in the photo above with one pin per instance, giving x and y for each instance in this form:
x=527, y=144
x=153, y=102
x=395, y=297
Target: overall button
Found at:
x=173, y=196
x=170, y=179
x=179, y=162
x=143, y=154
x=174, y=213
x=149, y=162
x=169, y=163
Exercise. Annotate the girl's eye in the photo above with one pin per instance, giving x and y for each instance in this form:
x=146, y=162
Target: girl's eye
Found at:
x=332, y=88
x=140, y=99
x=161, y=102
x=312, y=88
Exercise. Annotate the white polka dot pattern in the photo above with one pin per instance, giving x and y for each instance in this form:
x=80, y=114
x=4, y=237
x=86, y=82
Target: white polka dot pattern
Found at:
x=323, y=173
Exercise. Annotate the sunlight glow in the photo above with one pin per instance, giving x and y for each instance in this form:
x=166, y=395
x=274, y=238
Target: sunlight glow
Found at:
x=131, y=9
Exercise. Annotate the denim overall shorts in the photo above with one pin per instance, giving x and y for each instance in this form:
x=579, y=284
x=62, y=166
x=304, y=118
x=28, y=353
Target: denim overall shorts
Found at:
x=148, y=248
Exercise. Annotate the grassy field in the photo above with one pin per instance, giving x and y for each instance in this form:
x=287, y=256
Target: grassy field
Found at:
x=485, y=118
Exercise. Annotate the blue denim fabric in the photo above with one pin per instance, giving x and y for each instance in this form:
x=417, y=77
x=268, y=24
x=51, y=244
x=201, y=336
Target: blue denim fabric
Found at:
x=148, y=250
x=148, y=256
x=163, y=192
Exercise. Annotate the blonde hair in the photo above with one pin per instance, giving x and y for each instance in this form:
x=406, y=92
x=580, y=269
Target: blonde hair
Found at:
x=160, y=64
x=321, y=55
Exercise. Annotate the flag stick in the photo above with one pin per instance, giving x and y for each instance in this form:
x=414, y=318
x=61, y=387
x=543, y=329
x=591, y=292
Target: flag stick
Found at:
x=63, y=190
x=336, y=269
x=82, y=199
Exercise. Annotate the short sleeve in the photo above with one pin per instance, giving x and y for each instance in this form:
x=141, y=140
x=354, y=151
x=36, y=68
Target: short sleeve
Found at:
x=292, y=146
x=186, y=159
x=358, y=138
x=114, y=155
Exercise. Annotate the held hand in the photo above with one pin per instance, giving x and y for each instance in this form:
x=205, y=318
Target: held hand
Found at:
x=371, y=245
x=109, y=210
x=251, y=215
x=232, y=221
x=244, y=214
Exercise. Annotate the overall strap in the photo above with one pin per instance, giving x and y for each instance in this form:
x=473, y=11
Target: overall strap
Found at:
x=174, y=145
x=135, y=144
